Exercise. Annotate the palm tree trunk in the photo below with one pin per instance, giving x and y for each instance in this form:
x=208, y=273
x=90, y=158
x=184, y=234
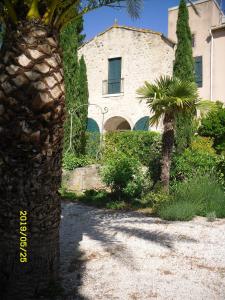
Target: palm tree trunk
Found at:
x=167, y=148
x=31, y=133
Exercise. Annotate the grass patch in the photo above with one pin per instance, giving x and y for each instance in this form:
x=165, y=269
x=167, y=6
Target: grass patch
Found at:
x=178, y=211
x=199, y=196
x=104, y=199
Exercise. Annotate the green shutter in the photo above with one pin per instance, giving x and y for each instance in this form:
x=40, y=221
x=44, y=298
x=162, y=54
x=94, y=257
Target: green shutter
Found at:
x=198, y=70
x=114, y=79
x=142, y=124
x=92, y=126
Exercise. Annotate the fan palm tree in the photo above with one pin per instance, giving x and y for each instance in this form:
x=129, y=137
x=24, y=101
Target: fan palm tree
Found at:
x=167, y=98
x=31, y=133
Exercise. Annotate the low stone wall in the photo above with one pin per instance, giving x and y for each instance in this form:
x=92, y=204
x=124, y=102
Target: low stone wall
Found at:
x=82, y=179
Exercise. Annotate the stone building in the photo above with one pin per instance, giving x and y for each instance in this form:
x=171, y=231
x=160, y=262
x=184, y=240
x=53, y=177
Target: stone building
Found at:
x=208, y=41
x=119, y=61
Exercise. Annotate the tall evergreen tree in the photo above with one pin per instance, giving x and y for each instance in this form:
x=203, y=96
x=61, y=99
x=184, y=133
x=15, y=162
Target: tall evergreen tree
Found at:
x=184, y=70
x=82, y=110
x=184, y=63
x=75, y=86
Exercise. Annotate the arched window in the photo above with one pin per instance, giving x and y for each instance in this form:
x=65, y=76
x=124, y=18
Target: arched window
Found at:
x=142, y=124
x=92, y=125
x=117, y=124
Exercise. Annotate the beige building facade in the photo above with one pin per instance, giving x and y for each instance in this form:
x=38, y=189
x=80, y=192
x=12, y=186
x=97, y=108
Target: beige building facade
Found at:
x=119, y=61
x=208, y=32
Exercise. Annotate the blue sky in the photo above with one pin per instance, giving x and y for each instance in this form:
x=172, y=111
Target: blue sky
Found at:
x=154, y=16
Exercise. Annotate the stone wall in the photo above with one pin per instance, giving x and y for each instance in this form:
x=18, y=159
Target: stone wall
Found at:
x=81, y=179
x=145, y=56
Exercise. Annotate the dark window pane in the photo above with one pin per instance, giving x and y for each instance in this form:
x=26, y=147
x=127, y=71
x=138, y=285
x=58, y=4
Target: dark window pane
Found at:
x=114, y=79
x=198, y=70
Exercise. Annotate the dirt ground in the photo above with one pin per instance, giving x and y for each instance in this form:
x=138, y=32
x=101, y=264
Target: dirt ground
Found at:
x=125, y=256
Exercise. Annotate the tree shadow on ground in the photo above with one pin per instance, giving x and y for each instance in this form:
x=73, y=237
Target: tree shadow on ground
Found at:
x=72, y=266
x=103, y=227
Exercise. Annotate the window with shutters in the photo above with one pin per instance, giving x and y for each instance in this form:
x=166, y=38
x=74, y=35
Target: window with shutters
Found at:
x=198, y=71
x=114, y=76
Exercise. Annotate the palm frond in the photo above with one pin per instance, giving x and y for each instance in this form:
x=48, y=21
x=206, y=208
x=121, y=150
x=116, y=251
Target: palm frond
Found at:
x=169, y=95
x=206, y=106
x=134, y=7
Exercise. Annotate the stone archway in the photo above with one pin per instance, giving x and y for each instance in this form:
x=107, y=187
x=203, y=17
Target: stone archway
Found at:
x=117, y=124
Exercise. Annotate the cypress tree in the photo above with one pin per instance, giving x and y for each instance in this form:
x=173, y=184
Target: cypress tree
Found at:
x=82, y=111
x=184, y=69
x=70, y=40
x=184, y=63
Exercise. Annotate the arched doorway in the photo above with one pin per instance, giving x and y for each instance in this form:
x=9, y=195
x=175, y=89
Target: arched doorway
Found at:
x=92, y=125
x=142, y=124
x=117, y=124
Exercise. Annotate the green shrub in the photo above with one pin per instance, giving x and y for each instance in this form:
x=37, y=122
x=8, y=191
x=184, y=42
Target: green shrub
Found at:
x=192, y=162
x=138, y=144
x=200, y=158
x=203, y=144
x=71, y=161
x=177, y=211
x=116, y=205
x=123, y=175
x=213, y=125
x=145, y=146
x=155, y=200
x=199, y=195
x=220, y=169
x=95, y=198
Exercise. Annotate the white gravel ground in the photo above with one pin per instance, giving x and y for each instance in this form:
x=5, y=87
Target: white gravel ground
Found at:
x=130, y=256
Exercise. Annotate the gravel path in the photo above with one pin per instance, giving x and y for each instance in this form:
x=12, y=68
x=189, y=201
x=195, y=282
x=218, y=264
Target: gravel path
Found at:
x=130, y=256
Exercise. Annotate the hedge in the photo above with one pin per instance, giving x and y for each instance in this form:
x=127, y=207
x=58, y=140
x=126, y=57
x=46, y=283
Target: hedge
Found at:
x=142, y=145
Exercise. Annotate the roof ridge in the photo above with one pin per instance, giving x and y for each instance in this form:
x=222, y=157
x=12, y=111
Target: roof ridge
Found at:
x=128, y=28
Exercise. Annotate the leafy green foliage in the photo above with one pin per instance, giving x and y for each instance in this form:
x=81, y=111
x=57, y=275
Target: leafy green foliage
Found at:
x=141, y=145
x=71, y=161
x=199, y=158
x=123, y=175
x=220, y=169
x=203, y=144
x=145, y=146
x=213, y=125
x=191, y=163
x=155, y=200
x=198, y=196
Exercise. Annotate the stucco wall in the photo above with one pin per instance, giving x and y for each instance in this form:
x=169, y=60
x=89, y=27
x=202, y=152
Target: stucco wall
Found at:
x=145, y=56
x=209, y=15
x=219, y=65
